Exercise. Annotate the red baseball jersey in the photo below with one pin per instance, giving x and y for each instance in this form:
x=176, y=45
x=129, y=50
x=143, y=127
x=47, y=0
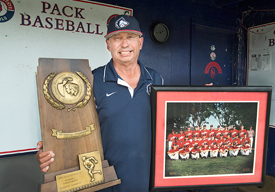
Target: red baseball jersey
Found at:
x=188, y=134
x=181, y=137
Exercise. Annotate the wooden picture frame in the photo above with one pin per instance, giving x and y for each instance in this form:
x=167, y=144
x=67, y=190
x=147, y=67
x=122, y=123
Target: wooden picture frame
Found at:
x=175, y=107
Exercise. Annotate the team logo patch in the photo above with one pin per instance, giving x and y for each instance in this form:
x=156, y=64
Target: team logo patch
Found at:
x=148, y=89
x=6, y=10
x=121, y=23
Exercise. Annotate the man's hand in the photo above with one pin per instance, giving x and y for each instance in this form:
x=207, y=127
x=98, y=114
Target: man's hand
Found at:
x=44, y=158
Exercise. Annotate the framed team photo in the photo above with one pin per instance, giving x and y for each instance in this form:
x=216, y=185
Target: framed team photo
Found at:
x=206, y=137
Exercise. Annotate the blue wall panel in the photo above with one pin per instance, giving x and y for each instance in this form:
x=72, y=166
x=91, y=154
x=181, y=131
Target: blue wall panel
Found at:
x=172, y=58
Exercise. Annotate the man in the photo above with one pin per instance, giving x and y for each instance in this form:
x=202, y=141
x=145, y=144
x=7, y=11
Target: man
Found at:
x=223, y=151
x=203, y=141
x=234, y=150
x=234, y=132
x=122, y=95
x=245, y=149
x=184, y=153
x=177, y=143
x=205, y=132
x=195, y=153
x=186, y=143
x=218, y=132
x=173, y=153
x=181, y=136
x=195, y=142
x=197, y=132
x=229, y=141
x=211, y=132
x=220, y=141
x=171, y=138
x=214, y=151
x=204, y=151
x=189, y=133
x=211, y=141
x=251, y=134
x=242, y=132
x=225, y=132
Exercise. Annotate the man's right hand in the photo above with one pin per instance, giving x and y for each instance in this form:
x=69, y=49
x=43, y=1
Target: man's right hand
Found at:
x=44, y=158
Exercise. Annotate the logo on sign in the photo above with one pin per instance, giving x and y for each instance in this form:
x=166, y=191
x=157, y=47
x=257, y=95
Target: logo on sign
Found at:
x=212, y=67
x=6, y=10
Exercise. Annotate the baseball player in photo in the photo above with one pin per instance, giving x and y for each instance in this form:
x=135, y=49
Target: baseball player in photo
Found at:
x=229, y=141
x=205, y=132
x=174, y=153
x=223, y=151
x=225, y=132
x=211, y=132
x=242, y=132
x=212, y=141
x=171, y=138
x=218, y=132
x=204, y=151
x=195, y=153
x=181, y=136
x=187, y=143
x=197, y=132
x=189, y=133
x=245, y=149
x=234, y=132
x=251, y=134
x=234, y=150
x=214, y=150
x=184, y=153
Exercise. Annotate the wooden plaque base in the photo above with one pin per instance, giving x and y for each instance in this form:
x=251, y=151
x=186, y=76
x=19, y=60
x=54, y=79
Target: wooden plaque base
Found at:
x=110, y=178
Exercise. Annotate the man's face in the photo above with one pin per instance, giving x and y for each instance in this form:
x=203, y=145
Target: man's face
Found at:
x=124, y=47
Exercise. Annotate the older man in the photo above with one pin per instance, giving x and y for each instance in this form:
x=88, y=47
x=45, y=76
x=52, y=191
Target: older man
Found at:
x=122, y=95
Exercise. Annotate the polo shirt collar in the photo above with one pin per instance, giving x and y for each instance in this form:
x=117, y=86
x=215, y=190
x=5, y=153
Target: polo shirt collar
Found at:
x=110, y=73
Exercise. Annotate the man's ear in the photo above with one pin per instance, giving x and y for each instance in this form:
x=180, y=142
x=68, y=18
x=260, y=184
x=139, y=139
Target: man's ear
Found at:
x=108, y=44
x=141, y=42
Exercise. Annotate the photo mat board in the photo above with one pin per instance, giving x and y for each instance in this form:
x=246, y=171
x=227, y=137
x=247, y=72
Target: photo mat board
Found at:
x=174, y=108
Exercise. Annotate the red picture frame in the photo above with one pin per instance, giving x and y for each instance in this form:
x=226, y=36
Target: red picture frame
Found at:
x=164, y=97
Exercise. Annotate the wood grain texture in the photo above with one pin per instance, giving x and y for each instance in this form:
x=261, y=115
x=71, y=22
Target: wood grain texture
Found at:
x=66, y=150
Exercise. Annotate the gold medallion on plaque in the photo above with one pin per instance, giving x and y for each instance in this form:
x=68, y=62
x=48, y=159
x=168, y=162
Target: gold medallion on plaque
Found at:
x=67, y=88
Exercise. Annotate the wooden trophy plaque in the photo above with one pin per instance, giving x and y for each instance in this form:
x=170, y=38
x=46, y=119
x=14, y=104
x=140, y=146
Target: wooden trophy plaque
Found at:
x=70, y=127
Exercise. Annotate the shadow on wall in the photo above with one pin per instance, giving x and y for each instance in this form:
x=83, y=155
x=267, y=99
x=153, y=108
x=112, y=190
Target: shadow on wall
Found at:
x=19, y=173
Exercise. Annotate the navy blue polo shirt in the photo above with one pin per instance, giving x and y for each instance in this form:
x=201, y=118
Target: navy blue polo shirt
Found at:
x=125, y=121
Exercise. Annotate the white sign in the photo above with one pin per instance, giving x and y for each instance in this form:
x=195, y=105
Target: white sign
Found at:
x=261, y=60
x=72, y=29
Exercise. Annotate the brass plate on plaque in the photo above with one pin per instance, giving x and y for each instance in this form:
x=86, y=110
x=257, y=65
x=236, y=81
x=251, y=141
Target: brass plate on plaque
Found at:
x=90, y=174
x=60, y=135
x=68, y=88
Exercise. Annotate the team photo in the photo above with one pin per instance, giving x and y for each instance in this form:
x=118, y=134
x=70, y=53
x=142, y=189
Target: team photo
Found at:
x=213, y=138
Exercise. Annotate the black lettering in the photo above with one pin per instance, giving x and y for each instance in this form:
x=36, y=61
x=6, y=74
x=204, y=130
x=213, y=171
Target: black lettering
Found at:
x=45, y=6
x=63, y=11
x=97, y=30
x=38, y=20
x=271, y=42
x=47, y=20
x=59, y=24
x=70, y=24
x=77, y=12
x=80, y=26
x=89, y=24
x=55, y=8
x=23, y=19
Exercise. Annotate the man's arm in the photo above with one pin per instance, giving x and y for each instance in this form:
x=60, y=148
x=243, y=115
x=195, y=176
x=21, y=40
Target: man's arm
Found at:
x=44, y=158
